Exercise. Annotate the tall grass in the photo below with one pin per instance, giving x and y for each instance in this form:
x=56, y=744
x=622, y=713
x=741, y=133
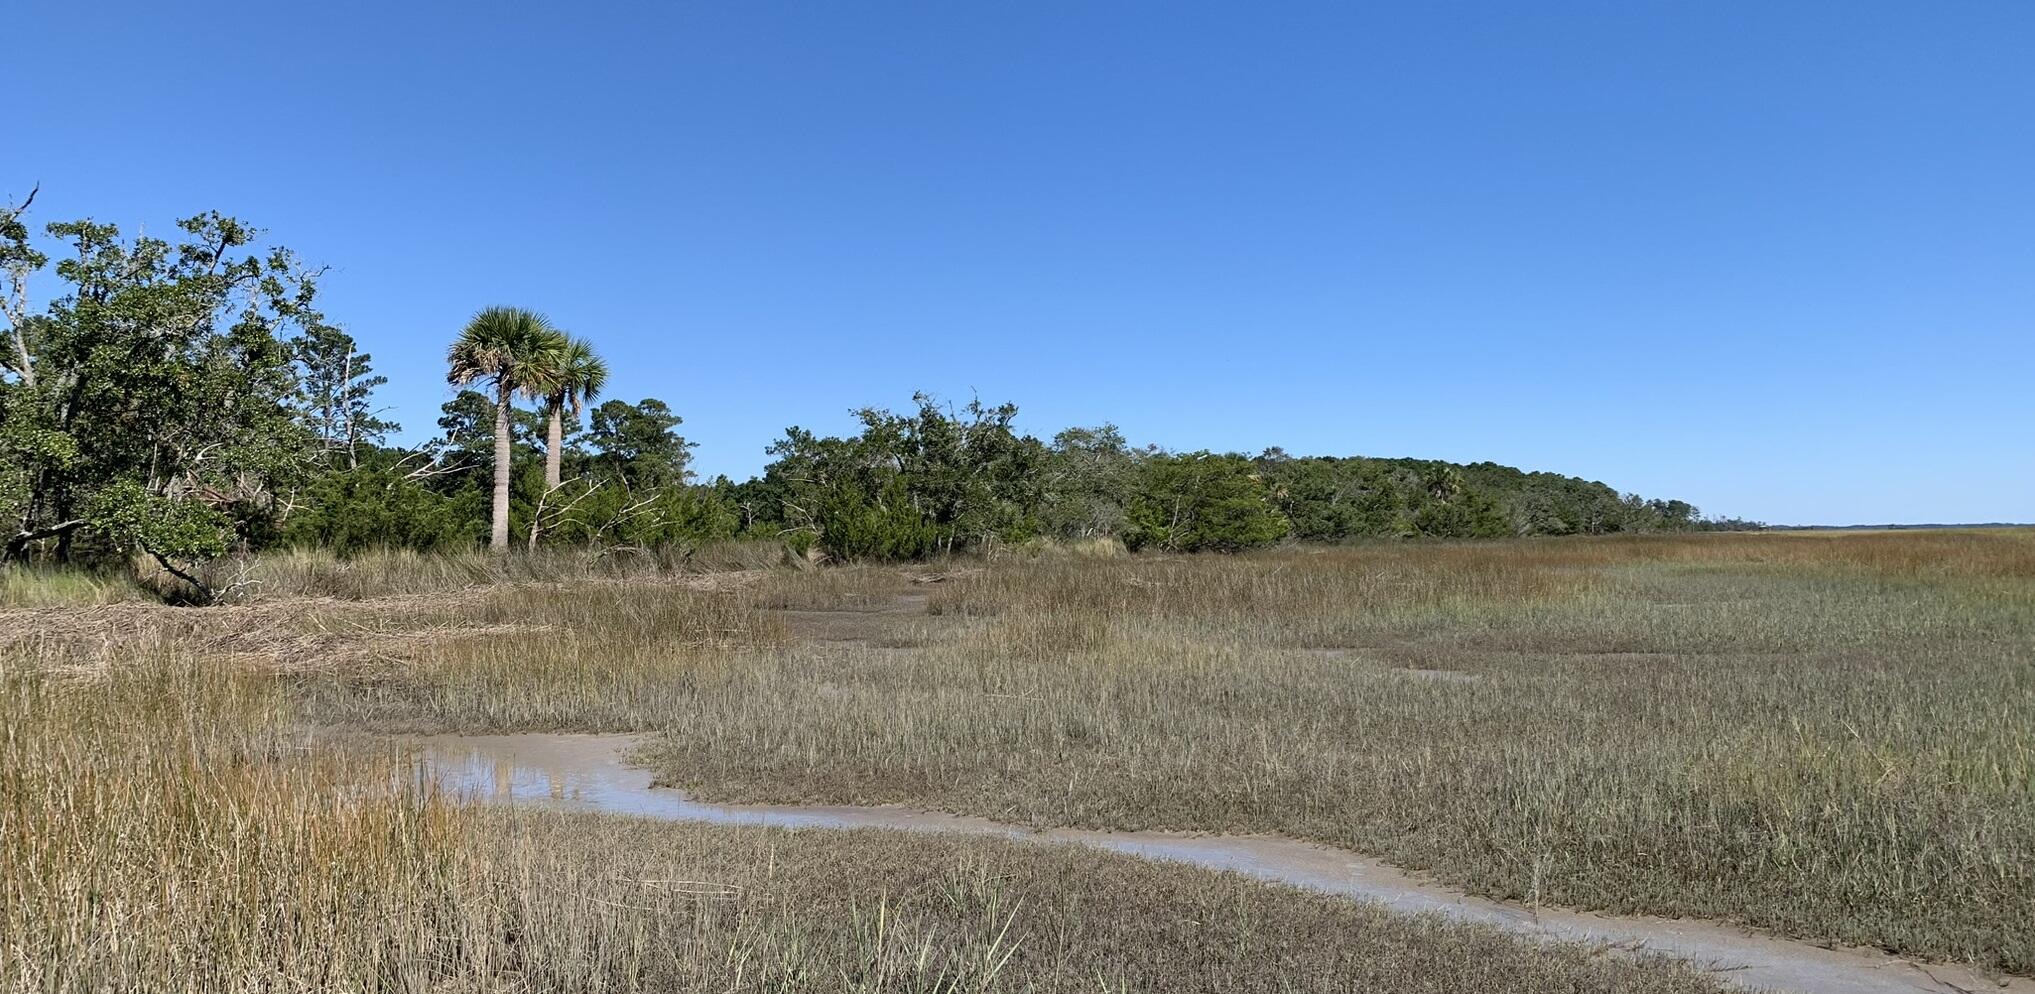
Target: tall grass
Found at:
x=160, y=829
x=1825, y=736
x=386, y=572
x=165, y=827
x=24, y=587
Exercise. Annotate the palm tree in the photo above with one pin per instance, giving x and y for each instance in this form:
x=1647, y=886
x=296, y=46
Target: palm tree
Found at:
x=507, y=347
x=575, y=377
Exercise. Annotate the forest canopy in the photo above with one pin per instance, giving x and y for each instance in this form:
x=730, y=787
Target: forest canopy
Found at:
x=184, y=399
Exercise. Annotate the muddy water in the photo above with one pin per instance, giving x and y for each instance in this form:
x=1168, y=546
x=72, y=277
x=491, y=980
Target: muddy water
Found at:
x=591, y=773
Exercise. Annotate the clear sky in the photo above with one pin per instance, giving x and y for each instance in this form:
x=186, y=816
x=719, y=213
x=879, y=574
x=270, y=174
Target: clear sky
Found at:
x=1777, y=259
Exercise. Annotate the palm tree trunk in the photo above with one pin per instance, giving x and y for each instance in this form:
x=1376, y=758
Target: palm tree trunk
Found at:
x=554, y=448
x=498, y=537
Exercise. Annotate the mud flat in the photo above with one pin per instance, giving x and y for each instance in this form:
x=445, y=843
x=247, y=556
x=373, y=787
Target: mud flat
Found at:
x=592, y=773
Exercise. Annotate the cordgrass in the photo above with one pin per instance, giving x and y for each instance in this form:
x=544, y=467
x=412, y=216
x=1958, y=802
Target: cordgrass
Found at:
x=166, y=825
x=1823, y=736
x=386, y=572
x=23, y=587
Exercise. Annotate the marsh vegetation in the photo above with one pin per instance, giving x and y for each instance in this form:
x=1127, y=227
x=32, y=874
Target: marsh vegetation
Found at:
x=1825, y=736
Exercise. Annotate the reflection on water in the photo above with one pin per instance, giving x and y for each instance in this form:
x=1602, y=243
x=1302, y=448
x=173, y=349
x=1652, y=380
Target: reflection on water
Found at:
x=591, y=773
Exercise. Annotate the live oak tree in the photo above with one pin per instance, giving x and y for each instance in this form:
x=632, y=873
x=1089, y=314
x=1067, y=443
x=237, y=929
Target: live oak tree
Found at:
x=1089, y=475
x=909, y=485
x=638, y=444
x=148, y=407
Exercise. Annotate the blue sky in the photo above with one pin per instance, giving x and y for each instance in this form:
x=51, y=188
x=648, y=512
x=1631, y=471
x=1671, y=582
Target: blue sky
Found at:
x=1775, y=259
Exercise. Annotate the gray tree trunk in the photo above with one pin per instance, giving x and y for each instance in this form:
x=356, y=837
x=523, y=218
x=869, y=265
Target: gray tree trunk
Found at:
x=498, y=537
x=554, y=446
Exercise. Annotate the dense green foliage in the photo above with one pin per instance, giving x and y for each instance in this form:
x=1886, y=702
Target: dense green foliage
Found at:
x=155, y=405
x=1331, y=500
x=907, y=486
x=1200, y=501
x=940, y=479
x=378, y=503
x=182, y=402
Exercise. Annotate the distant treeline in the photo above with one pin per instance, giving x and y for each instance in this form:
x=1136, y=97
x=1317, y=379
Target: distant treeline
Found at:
x=937, y=479
x=185, y=400
x=934, y=480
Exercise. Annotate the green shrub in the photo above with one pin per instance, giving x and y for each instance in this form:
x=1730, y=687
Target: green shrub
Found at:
x=379, y=508
x=1201, y=501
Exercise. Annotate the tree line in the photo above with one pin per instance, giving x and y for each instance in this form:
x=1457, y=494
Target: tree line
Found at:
x=184, y=399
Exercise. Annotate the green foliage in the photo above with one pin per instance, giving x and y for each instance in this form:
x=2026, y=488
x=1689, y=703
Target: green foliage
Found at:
x=940, y=480
x=1551, y=504
x=686, y=515
x=605, y=512
x=1199, y=502
x=909, y=485
x=465, y=445
x=1467, y=515
x=629, y=492
x=379, y=506
x=885, y=525
x=1334, y=500
x=638, y=444
x=565, y=373
x=510, y=349
x=158, y=381
x=1089, y=477
x=335, y=389
x=570, y=374
x=180, y=535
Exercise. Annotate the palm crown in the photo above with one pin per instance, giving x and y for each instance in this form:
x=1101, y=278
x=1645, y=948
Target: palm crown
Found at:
x=571, y=374
x=510, y=347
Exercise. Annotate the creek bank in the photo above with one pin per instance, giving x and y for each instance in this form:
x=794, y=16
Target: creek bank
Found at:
x=592, y=773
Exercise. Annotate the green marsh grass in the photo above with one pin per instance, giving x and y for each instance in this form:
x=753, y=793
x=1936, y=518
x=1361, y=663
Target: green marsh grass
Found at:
x=24, y=587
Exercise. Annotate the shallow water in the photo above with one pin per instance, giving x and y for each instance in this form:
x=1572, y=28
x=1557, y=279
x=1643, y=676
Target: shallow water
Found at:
x=591, y=773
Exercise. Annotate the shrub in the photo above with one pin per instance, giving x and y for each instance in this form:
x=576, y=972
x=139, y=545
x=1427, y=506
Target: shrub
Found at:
x=1201, y=502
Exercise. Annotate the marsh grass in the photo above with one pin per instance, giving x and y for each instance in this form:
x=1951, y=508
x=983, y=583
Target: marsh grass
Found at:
x=161, y=830
x=597, y=658
x=166, y=825
x=1827, y=736
x=387, y=572
x=1830, y=736
x=24, y=587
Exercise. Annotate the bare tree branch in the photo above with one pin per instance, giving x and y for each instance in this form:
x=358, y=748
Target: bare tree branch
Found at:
x=14, y=301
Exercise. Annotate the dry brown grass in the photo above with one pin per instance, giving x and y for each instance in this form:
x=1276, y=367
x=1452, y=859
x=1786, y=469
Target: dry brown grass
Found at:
x=1829, y=736
x=1825, y=735
x=164, y=826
